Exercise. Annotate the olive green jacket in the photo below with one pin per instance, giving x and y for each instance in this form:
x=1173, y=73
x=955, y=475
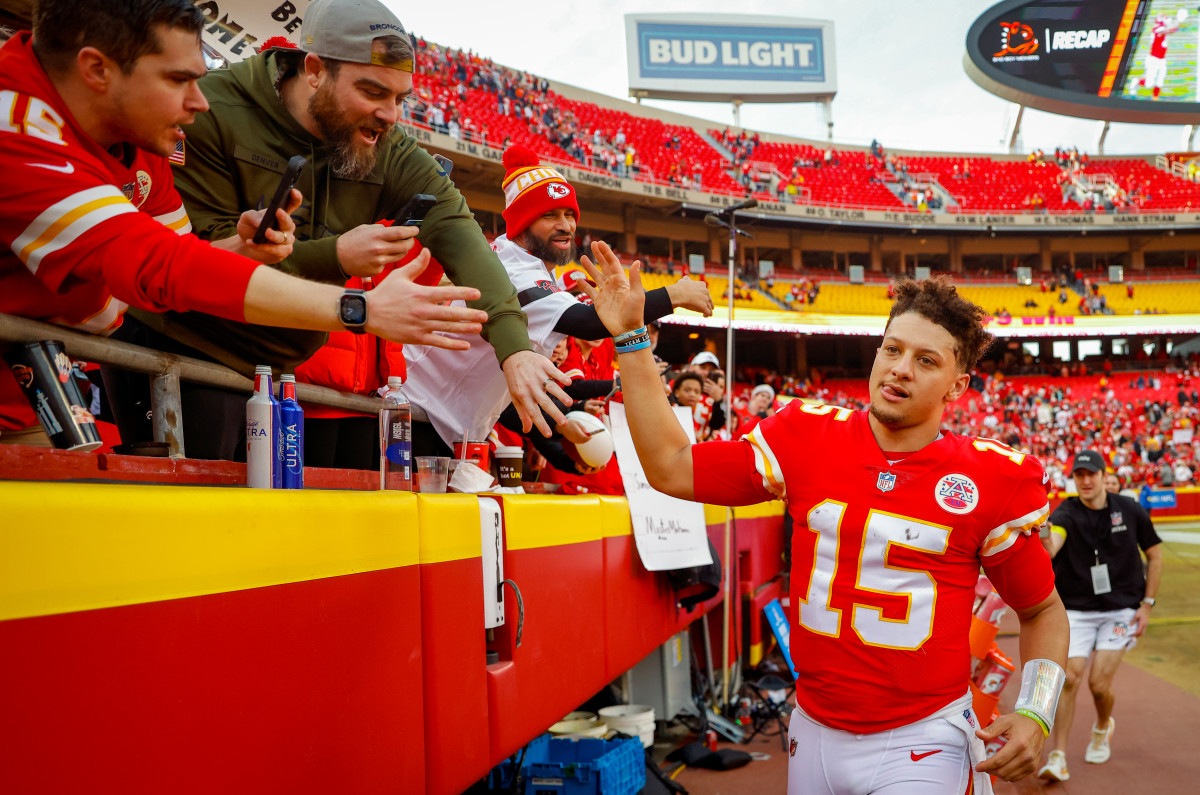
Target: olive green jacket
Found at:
x=234, y=156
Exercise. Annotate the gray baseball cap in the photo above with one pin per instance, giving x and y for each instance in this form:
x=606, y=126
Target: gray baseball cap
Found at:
x=343, y=30
x=1089, y=460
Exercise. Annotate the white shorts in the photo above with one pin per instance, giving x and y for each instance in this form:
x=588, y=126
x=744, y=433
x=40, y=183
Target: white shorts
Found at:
x=1156, y=71
x=934, y=756
x=1104, y=630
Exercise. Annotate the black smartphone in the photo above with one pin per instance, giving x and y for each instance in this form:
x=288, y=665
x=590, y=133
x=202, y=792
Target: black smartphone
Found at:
x=715, y=376
x=286, y=183
x=413, y=213
x=445, y=164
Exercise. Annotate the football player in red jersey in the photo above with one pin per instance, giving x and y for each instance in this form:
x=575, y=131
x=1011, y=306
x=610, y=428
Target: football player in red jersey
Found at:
x=91, y=105
x=893, y=520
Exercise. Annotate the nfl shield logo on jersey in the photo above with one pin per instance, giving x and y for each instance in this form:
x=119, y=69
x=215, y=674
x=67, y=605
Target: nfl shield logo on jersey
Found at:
x=886, y=482
x=956, y=494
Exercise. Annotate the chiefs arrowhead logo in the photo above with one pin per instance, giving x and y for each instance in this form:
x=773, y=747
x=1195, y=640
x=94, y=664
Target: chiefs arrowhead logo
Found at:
x=557, y=190
x=792, y=750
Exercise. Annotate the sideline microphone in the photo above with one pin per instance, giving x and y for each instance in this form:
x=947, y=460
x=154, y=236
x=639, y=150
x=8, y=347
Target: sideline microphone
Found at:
x=745, y=205
x=715, y=218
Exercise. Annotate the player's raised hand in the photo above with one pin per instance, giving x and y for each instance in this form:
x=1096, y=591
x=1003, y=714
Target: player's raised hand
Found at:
x=620, y=300
x=1020, y=755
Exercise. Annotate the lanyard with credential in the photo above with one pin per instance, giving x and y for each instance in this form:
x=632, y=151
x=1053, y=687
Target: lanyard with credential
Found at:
x=1101, y=584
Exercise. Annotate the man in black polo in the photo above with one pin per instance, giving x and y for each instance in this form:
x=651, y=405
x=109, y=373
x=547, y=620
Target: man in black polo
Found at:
x=1094, y=540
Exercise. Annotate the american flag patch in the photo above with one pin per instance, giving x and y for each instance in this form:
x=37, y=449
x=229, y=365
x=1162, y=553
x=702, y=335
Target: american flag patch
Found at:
x=176, y=157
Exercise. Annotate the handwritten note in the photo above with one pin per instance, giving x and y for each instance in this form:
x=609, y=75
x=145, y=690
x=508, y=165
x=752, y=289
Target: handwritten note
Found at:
x=669, y=532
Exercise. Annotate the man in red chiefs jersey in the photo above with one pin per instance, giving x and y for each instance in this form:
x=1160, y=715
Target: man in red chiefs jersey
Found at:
x=92, y=104
x=893, y=520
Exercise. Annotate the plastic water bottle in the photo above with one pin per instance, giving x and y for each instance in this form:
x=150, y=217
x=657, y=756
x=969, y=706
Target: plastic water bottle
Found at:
x=395, y=438
x=291, y=431
x=261, y=444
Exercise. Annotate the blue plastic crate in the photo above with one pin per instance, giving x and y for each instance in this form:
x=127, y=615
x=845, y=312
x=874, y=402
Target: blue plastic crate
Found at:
x=555, y=766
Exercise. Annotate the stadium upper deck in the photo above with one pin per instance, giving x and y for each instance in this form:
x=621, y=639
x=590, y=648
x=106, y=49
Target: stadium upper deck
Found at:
x=476, y=100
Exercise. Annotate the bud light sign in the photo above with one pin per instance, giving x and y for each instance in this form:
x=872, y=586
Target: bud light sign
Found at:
x=729, y=57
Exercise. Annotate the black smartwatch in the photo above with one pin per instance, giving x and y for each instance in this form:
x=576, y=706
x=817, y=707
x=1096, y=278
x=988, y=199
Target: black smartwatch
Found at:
x=352, y=311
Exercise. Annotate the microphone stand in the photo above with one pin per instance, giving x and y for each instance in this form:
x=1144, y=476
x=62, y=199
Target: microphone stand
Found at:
x=728, y=219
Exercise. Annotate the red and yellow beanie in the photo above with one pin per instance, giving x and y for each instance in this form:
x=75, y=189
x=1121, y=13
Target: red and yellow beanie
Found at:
x=531, y=190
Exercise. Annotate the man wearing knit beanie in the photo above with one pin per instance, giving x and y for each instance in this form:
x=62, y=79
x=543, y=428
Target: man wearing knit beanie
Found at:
x=463, y=393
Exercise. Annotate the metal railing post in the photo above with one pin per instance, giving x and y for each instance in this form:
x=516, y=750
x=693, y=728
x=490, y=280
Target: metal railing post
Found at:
x=168, y=410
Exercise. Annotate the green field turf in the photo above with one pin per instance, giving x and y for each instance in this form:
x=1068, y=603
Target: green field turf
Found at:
x=1170, y=648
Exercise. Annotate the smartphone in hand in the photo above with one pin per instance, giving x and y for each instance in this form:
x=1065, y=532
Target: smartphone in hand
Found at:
x=413, y=213
x=279, y=200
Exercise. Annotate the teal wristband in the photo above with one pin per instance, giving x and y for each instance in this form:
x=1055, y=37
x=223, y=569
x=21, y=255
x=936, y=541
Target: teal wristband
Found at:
x=628, y=335
x=637, y=346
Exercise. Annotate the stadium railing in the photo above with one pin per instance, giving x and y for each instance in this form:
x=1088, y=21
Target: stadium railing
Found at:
x=166, y=371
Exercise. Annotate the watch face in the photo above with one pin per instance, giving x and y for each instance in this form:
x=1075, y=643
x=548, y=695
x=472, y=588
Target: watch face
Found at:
x=354, y=310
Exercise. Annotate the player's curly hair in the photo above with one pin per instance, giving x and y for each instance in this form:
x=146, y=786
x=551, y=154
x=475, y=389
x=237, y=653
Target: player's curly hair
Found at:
x=937, y=300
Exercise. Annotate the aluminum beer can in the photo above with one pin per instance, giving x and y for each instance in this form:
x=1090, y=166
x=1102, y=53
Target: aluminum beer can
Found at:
x=992, y=609
x=994, y=673
x=43, y=371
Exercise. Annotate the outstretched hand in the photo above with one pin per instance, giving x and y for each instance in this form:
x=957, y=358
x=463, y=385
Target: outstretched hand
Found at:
x=402, y=311
x=620, y=300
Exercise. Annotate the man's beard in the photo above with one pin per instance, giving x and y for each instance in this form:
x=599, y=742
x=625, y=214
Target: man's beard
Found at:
x=543, y=250
x=347, y=158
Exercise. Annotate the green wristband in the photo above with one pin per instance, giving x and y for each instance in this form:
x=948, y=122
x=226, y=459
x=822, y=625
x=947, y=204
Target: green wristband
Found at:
x=1034, y=717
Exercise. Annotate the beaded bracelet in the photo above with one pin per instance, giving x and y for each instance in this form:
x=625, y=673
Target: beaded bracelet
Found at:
x=637, y=345
x=628, y=335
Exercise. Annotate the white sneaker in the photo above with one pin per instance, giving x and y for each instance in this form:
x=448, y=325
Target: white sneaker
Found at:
x=1098, y=752
x=1055, y=768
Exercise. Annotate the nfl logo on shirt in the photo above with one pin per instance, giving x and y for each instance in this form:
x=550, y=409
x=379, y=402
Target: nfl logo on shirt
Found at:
x=886, y=482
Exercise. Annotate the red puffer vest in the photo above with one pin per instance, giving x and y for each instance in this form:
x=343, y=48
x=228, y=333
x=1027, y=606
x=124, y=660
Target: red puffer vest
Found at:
x=360, y=363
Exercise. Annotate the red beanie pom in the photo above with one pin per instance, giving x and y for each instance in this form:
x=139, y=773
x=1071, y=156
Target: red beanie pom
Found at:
x=517, y=156
x=277, y=41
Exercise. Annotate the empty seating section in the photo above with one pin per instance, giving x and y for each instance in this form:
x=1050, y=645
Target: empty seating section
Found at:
x=848, y=183
x=1181, y=298
x=1157, y=189
x=980, y=183
x=716, y=287
x=1013, y=298
x=845, y=299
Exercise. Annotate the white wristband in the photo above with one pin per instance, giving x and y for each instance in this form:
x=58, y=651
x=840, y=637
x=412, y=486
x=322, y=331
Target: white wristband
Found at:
x=1041, y=685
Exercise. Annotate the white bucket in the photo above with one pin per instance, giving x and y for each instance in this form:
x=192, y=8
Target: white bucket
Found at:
x=636, y=720
x=579, y=728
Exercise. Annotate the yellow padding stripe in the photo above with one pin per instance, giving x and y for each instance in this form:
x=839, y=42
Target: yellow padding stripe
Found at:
x=715, y=514
x=532, y=521
x=66, y=547
x=614, y=517
x=449, y=527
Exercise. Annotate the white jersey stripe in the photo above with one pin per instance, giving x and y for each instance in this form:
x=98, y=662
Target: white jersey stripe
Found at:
x=56, y=211
x=103, y=322
x=177, y=220
x=1006, y=534
x=59, y=239
x=767, y=465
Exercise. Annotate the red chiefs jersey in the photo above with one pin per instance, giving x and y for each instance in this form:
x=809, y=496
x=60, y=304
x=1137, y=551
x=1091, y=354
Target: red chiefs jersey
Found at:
x=86, y=231
x=886, y=556
x=1161, y=29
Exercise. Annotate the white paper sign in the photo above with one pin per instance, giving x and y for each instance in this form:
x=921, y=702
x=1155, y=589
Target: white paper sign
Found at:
x=670, y=533
x=1182, y=435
